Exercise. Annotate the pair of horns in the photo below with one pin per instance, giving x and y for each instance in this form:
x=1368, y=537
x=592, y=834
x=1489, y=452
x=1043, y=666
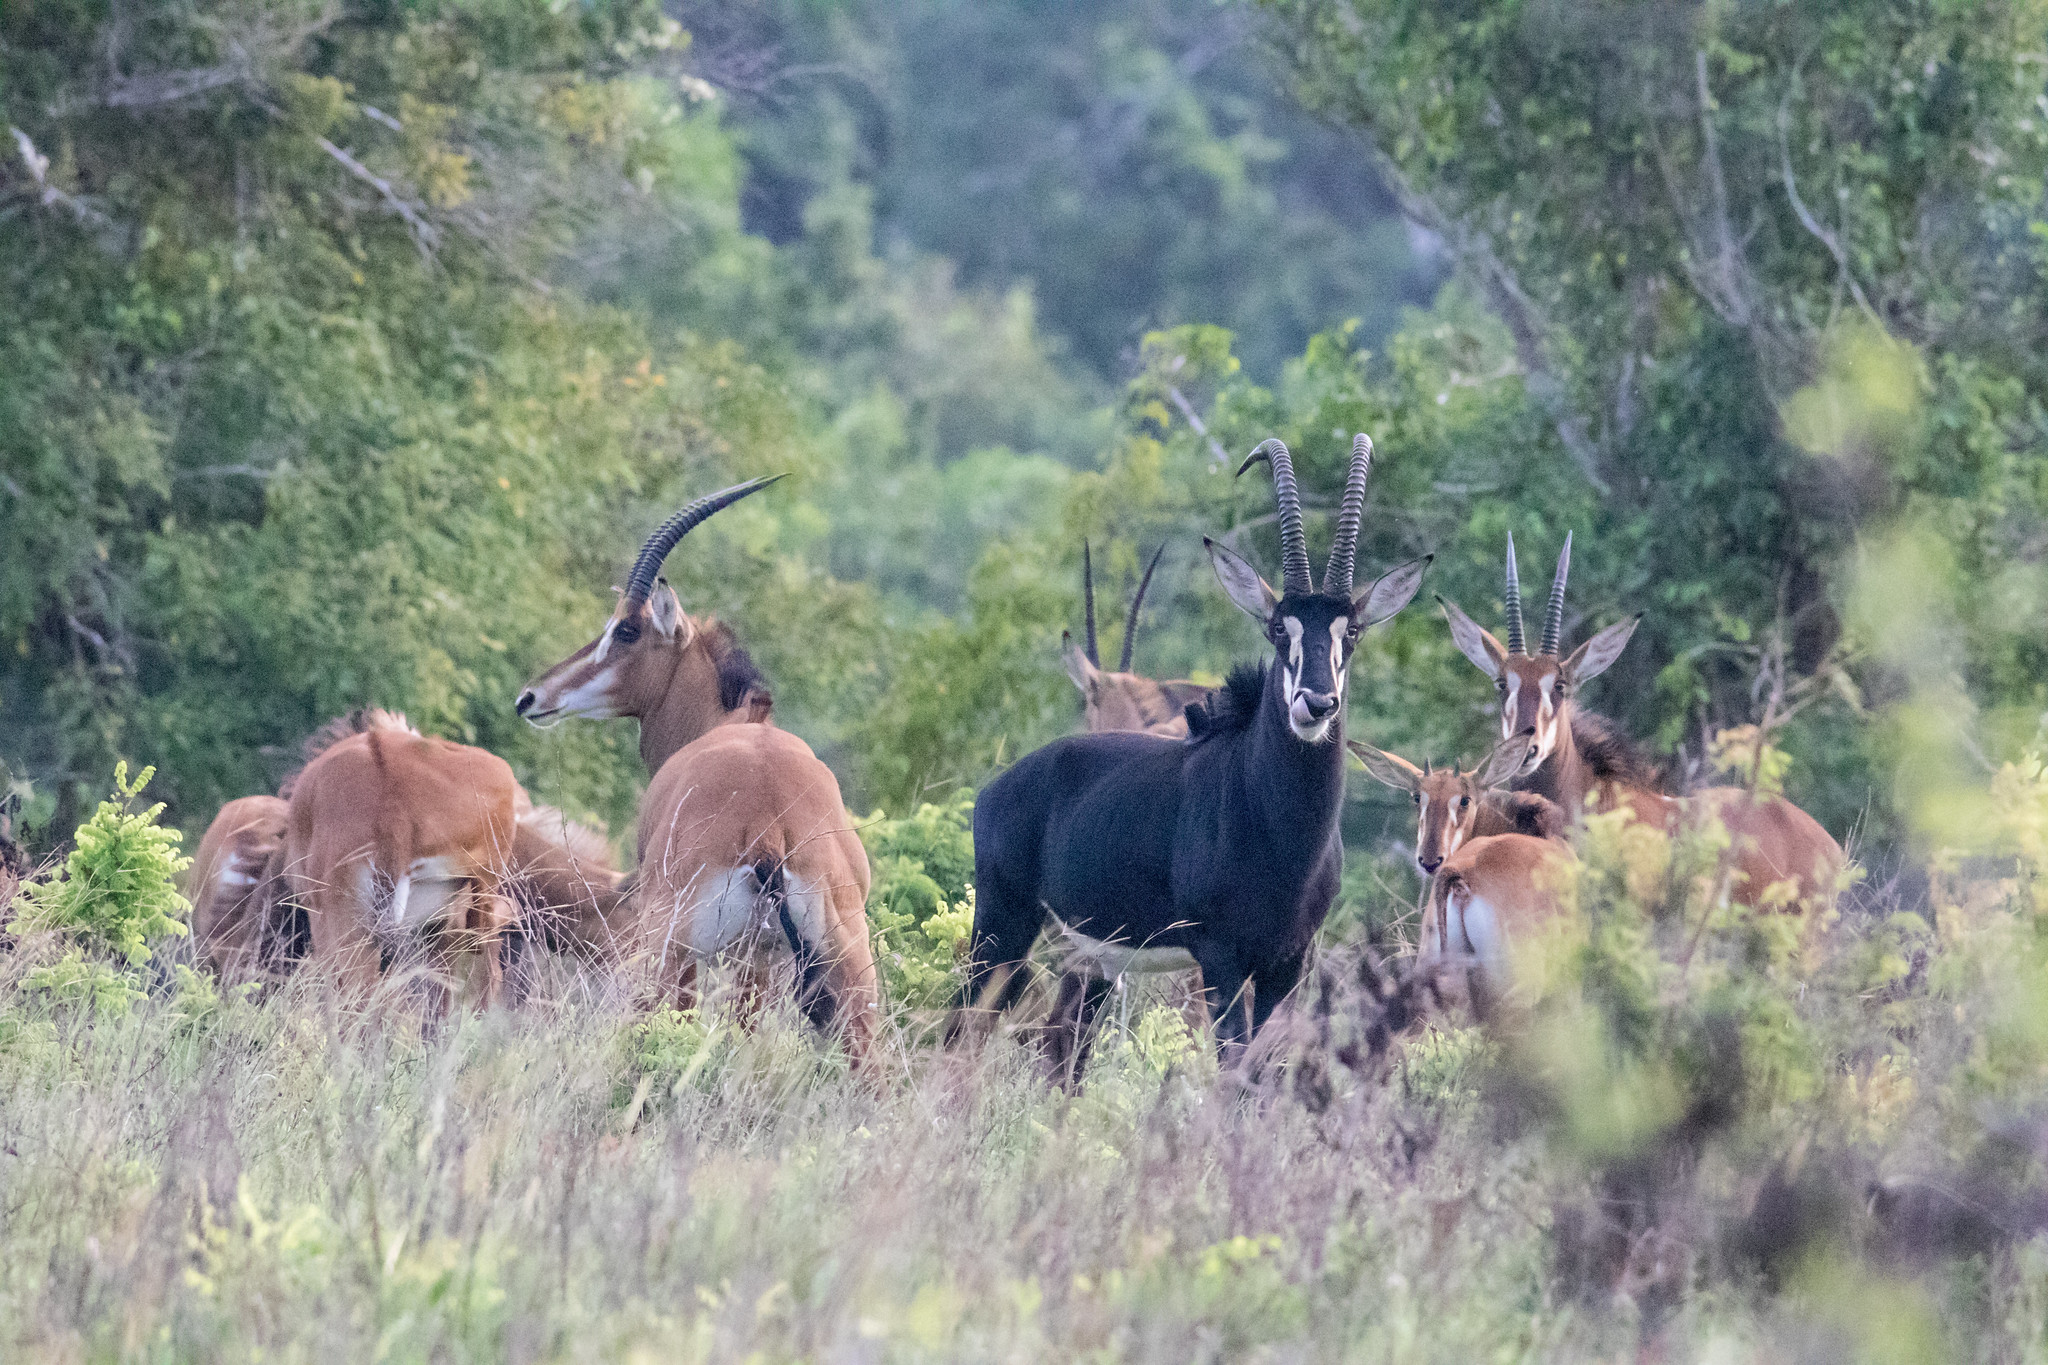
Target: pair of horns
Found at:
x=1553, y=618
x=1342, y=568
x=640, y=582
x=1130, y=620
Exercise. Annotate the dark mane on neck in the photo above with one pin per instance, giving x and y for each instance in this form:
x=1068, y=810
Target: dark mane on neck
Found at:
x=1231, y=708
x=360, y=721
x=1612, y=755
x=737, y=675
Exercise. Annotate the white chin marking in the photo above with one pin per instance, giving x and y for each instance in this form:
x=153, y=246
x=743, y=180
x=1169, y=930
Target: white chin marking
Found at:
x=1306, y=729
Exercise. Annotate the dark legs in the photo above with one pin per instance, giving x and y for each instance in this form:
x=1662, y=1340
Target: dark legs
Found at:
x=1004, y=929
x=1070, y=1029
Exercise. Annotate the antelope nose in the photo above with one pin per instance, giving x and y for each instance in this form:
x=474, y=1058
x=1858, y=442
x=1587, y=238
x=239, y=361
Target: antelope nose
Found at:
x=525, y=702
x=1429, y=865
x=1319, y=704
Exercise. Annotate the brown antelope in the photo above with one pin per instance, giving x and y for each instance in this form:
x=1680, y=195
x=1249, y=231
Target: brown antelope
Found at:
x=1488, y=857
x=1124, y=700
x=744, y=841
x=1452, y=807
x=399, y=844
x=1580, y=759
x=233, y=885
x=568, y=894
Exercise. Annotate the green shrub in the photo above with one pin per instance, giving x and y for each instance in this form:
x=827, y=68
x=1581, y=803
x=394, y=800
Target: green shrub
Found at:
x=921, y=904
x=116, y=892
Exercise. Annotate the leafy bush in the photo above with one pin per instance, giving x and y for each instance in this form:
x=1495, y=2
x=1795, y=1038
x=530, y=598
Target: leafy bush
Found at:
x=116, y=892
x=921, y=904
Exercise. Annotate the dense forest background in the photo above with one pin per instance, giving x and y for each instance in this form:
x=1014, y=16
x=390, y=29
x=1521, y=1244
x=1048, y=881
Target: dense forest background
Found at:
x=352, y=345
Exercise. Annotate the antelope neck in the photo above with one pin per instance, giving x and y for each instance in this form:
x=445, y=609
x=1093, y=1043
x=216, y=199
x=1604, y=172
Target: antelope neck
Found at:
x=689, y=706
x=1305, y=781
x=1562, y=777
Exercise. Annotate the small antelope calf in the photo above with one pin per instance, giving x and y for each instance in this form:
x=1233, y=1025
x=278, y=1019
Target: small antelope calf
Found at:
x=1491, y=858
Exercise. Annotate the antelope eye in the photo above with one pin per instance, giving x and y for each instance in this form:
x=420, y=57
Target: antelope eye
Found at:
x=1500, y=684
x=1416, y=797
x=625, y=633
x=1464, y=801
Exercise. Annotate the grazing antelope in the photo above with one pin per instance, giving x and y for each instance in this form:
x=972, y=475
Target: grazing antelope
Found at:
x=233, y=886
x=1580, y=759
x=744, y=841
x=1124, y=700
x=398, y=844
x=1220, y=852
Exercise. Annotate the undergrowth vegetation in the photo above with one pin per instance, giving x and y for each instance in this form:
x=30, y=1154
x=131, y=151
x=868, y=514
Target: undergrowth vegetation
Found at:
x=1697, y=1129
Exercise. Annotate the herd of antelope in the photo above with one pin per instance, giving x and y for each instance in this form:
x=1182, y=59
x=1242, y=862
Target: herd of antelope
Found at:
x=1188, y=829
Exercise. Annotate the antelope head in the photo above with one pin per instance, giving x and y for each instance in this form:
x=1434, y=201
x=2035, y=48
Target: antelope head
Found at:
x=1118, y=699
x=1536, y=689
x=1446, y=800
x=1314, y=632
x=631, y=668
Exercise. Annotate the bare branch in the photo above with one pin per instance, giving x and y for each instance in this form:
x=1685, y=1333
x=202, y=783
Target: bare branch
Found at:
x=425, y=234
x=157, y=88
x=1187, y=410
x=47, y=194
x=1504, y=293
x=1808, y=221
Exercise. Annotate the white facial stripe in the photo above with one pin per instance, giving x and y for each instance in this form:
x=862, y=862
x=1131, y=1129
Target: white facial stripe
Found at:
x=1507, y=709
x=1339, y=628
x=591, y=698
x=1292, y=624
x=604, y=641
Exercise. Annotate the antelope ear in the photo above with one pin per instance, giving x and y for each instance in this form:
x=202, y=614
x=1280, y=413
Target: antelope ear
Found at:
x=1079, y=669
x=1474, y=641
x=1241, y=582
x=1388, y=593
x=665, y=613
x=1598, y=654
x=1505, y=761
x=1392, y=769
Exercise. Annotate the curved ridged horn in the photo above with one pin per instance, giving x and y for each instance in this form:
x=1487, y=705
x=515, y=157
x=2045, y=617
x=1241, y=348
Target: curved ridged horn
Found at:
x=1088, y=602
x=1131, y=621
x=1295, y=580
x=1553, y=620
x=1515, y=642
x=641, y=581
x=1344, y=550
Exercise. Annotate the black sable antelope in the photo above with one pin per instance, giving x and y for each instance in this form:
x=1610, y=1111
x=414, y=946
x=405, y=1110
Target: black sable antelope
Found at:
x=1220, y=852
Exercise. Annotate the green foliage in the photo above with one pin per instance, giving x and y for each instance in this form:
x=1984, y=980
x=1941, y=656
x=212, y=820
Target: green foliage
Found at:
x=117, y=891
x=921, y=903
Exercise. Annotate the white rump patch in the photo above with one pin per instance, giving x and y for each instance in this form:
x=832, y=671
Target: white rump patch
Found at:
x=419, y=897
x=1096, y=957
x=728, y=907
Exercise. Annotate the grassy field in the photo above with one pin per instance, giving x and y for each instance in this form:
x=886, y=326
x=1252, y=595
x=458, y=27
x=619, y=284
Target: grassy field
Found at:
x=1703, y=1136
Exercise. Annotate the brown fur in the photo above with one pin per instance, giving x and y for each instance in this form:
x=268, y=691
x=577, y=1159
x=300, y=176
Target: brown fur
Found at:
x=731, y=793
x=1582, y=761
x=365, y=813
x=1130, y=701
x=233, y=885
x=1515, y=877
x=568, y=894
